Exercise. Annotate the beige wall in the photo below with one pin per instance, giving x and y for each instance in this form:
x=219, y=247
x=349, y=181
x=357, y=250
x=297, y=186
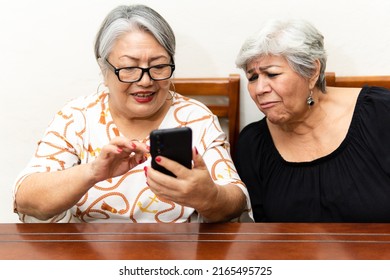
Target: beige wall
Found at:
x=46, y=54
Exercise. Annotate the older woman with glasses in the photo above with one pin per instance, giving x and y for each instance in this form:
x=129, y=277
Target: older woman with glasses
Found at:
x=93, y=163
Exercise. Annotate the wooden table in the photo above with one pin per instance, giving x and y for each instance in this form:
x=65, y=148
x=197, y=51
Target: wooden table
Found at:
x=271, y=241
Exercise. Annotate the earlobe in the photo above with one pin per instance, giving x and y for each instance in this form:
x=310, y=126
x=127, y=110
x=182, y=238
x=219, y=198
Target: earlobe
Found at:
x=102, y=70
x=104, y=78
x=100, y=62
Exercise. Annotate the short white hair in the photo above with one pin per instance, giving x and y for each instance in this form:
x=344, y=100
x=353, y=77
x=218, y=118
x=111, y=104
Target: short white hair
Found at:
x=298, y=41
x=124, y=19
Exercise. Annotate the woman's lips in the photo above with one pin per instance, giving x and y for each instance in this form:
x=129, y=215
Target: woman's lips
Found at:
x=267, y=105
x=143, y=97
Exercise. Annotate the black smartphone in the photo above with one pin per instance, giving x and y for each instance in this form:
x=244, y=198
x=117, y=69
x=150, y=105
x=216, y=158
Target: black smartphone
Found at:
x=173, y=143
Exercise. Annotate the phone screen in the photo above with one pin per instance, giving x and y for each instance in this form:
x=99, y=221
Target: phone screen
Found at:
x=173, y=143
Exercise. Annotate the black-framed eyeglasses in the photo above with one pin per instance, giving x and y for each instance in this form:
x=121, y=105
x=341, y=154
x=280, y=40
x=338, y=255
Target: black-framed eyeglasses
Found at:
x=158, y=72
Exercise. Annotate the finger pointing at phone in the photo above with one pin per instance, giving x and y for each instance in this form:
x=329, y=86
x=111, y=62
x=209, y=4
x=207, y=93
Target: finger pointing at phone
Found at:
x=118, y=157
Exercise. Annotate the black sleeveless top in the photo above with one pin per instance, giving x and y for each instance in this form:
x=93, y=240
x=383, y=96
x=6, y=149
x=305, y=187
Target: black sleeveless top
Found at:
x=352, y=184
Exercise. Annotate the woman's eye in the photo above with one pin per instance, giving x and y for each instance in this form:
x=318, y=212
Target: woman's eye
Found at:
x=271, y=75
x=253, y=78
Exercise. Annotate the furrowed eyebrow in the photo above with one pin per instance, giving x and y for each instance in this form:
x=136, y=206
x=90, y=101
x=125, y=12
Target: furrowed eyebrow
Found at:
x=250, y=71
x=264, y=68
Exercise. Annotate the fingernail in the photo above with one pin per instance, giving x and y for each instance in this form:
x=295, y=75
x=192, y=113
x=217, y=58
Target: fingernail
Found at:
x=119, y=150
x=133, y=145
x=146, y=170
x=196, y=151
x=158, y=159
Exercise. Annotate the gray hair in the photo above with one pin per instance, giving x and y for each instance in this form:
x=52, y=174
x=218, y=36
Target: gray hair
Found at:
x=124, y=19
x=299, y=42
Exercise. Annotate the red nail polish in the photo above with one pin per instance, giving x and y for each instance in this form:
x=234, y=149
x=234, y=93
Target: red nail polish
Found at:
x=196, y=150
x=158, y=159
x=146, y=170
x=133, y=145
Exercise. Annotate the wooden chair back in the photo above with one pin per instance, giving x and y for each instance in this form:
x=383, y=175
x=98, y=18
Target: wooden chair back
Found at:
x=221, y=95
x=356, y=81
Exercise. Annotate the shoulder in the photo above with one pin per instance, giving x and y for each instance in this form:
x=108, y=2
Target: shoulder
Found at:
x=193, y=113
x=190, y=104
x=190, y=111
x=374, y=100
x=371, y=117
x=75, y=110
x=88, y=101
x=251, y=145
x=81, y=105
x=252, y=137
x=254, y=129
x=358, y=101
x=375, y=94
x=372, y=120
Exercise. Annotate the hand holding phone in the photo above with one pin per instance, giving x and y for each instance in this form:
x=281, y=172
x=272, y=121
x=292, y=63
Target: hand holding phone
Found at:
x=173, y=143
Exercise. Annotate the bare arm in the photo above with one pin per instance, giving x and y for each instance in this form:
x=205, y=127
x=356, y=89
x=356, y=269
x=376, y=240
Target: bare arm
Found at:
x=44, y=195
x=229, y=203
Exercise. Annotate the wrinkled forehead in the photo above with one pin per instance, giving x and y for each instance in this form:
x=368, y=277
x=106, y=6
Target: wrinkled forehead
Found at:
x=264, y=62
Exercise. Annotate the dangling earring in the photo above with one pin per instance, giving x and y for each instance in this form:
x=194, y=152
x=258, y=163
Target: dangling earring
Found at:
x=101, y=87
x=310, y=100
x=172, y=92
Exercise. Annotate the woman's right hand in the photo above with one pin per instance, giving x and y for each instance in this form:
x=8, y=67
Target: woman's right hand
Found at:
x=118, y=157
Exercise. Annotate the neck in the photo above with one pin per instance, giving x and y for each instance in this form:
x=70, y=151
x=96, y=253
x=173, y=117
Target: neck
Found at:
x=139, y=128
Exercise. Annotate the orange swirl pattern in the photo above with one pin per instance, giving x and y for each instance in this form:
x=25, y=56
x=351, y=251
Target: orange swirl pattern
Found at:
x=77, y=134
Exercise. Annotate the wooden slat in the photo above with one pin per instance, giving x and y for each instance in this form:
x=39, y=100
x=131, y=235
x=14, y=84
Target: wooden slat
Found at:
x=229, y=87
x=356, y=81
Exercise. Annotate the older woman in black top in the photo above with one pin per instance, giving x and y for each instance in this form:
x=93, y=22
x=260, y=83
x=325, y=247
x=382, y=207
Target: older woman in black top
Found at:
x=320, y=154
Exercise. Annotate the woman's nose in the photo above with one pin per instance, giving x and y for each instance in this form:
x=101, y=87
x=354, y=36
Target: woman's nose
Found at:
x=262, y=86
x=145, y=78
